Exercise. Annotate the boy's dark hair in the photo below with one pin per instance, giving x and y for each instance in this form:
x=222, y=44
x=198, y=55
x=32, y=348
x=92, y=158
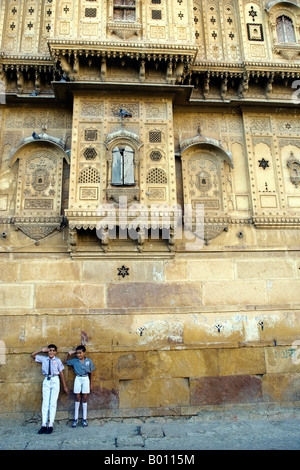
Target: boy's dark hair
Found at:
x=52, y=346
x=81, y=347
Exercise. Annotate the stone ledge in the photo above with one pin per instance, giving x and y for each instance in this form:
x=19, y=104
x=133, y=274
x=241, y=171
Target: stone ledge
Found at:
x=272, y=410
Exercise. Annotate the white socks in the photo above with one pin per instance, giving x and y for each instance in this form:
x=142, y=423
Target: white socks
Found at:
x=84, y=410
x=77, y=404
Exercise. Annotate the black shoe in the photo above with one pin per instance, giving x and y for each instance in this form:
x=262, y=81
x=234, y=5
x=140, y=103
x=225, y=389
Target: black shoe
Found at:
x=49, y=430
x=42, y=430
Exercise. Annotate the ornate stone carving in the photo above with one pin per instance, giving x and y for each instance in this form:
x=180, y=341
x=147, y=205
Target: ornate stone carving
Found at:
x=287, y=51
x=132, y=194
x=294, y=167
x=37, y=228
x=39, y=190
x=213, y=227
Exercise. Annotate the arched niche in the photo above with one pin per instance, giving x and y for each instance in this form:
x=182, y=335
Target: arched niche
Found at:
x=204, y=182
x=39, y=186
x=284, y=28
x=285, y=3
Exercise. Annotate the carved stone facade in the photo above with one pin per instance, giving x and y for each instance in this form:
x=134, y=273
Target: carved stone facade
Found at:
x=150, y=197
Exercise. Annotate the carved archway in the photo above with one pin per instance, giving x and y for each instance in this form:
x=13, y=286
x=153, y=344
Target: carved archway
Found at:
x=39, y=187
x=204, y=182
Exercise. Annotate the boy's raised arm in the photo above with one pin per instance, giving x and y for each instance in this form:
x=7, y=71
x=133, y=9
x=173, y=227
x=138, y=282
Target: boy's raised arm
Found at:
x=68, y=354
x=35, y=353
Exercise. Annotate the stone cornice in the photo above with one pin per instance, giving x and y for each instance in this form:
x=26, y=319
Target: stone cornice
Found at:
x=247, y=67
x=120, y=49
x=17, y=59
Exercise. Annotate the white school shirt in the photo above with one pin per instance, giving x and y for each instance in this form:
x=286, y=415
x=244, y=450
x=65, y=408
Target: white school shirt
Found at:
x=56, y=364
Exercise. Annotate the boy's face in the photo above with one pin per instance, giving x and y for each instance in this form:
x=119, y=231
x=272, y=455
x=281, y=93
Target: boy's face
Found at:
x=80, y=354
x=51, y=352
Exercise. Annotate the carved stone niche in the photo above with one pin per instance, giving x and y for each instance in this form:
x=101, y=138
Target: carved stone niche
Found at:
x=204, y=182
x=294, y=166
x=39, y=188
x=123, y=160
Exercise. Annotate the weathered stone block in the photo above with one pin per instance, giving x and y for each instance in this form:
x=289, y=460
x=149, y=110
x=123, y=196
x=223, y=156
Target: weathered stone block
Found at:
x=234, y=293
x=281, y=387
x=105, y=395
x=20, y=397
x=141, y=295
x=212, y=328
x=280, y=325
x=265, y=268
x=225, y=390
x=241, y=361
x=16, y=296
x=50, y=271
x=176, y=270
x=69, y=296
x=283, y=359
x=103, y=363
x=285, y=292
x=20, y=368
x=167, y=364
x=154, y=393
x=9, y=271
x=184, y=363
x=156, y=330
x=211, y=270
x=129, y=366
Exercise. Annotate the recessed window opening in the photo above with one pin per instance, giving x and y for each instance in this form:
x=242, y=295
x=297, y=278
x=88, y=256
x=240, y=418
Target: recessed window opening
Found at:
x=124, y=10
x=123, y=166
x=285, y=29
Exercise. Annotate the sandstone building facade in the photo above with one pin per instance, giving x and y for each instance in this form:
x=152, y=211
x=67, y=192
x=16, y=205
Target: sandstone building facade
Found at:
x=150, y=200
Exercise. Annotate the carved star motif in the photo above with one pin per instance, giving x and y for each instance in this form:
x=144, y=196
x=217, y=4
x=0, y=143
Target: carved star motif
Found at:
x=263, y=163
x=123, y=271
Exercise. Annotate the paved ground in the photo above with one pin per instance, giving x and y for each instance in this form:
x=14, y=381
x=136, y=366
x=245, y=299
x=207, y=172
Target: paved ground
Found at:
x=159, y=434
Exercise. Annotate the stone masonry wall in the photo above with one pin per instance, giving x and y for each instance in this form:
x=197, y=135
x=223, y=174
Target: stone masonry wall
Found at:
x=206, y=329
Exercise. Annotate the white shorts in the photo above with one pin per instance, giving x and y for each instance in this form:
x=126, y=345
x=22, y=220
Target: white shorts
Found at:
x=81, y=384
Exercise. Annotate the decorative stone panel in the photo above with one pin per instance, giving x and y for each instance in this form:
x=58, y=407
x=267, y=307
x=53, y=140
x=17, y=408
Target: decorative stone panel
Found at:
x=39, y=188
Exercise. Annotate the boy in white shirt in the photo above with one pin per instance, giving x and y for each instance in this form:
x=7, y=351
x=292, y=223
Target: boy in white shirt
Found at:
x=52, y=369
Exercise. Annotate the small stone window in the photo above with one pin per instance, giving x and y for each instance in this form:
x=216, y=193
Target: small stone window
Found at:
x=156, y=14
x=89, y=175
x=155, y=136
x=90, y=12
x=157, y=176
